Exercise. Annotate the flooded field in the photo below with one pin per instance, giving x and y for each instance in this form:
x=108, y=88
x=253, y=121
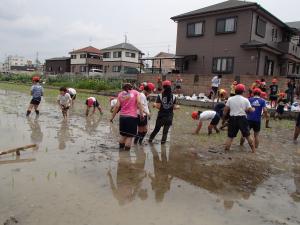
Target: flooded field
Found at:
x=77, y=176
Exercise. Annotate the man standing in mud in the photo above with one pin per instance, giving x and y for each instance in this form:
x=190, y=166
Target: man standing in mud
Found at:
x=238, y=107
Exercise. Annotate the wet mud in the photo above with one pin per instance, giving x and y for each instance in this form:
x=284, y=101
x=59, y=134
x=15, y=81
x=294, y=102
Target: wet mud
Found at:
x=77, y=175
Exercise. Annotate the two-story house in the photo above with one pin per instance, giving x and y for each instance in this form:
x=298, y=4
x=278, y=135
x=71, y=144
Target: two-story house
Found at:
x=121, y=58
x=85, y=59
x=237, y=37
x=165, y=62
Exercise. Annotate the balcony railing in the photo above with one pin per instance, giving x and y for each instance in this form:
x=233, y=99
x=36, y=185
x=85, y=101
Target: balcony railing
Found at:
x=290, y=48
x=94, y=61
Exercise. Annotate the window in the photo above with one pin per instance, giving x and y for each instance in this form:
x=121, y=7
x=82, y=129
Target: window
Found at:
x=196, y=79
x=117, y=54
x=274, y=34
x=82, y=69
x=82, y=56
x=269, y=66
x=106, y=55
x=223, y=64
x=227, y=25
x=60, y=69
x=195, y=29
x=261, y=27
x=116, y=69
x=73, y=56
x=130, y=55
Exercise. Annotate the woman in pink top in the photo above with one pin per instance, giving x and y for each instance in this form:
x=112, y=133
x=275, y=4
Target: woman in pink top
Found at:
x=129, y=102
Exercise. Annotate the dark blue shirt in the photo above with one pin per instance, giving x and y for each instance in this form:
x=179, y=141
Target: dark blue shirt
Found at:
x=259, y=104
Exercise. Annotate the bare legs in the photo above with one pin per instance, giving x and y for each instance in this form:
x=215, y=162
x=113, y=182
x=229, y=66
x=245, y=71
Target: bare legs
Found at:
x=249, y=139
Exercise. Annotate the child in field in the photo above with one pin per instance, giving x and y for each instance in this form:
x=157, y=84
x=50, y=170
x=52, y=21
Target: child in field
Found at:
x=274, y=89
x=208, y=115
x=64, y=101
x=282, y=101
x=37, y=92
x=264, y=96
x=232, y=88
x=72, y=93
x=92, y=102
x=113, y=102
x=148, y=88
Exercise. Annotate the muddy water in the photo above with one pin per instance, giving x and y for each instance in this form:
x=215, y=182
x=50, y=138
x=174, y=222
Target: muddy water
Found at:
x=76, y=175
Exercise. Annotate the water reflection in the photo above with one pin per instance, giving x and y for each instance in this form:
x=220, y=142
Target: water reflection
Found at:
x=92, y=124
x=160, y=180
x=130, y=175
x=229, y=180
x=36, y=132
x=296, y=195
x=63, y=135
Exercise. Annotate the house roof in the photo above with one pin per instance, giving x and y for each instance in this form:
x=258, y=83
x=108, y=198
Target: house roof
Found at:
x=230, y=4
x=164, y=54
x=89, y=49
x=58, y=58
x=295, y=25
x=126, y=46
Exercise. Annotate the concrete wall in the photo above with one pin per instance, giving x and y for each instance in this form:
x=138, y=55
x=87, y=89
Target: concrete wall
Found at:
x=203, y=85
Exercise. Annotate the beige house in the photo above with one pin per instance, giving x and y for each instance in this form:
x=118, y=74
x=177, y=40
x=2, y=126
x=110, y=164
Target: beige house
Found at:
x=164, y=61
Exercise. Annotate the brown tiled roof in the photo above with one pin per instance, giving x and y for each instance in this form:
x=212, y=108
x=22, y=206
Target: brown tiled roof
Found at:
x=89, y=49
x=164, y=54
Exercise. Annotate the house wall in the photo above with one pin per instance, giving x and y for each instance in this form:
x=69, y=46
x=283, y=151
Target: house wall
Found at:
x=268, y=36
x=53, y=66
x=123, y=58
x=212, y=45
x=167, y=65
x=78, y=60
x=108, y=66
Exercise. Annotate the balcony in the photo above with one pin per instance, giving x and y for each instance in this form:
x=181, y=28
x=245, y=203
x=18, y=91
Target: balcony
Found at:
x=94, y=61
x=290, y=48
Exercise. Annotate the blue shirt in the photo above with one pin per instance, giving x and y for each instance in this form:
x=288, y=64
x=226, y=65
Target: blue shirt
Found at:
x=259, y=104
x=37, y=91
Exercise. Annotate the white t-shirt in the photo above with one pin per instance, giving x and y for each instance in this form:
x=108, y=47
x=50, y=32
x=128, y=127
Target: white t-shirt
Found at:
x=93, y=98
x=238, y=105
x=144, y=102
x=72, y=91
x=207, y=115
x=113, y=102
x=65, y=100
x=215, y=82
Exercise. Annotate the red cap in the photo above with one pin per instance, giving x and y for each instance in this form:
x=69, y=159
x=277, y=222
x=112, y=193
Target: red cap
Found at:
x=257, y=81
x=240, y=87
x=282, y=94
x=195, y=115
x=36, y=78
x=167, y=83
x=151, y=86
x=141, y=88
x=274, y=81
x=257, y=91
x=263, y=95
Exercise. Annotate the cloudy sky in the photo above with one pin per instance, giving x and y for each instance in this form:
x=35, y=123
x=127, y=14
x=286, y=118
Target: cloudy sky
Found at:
x=54, y=27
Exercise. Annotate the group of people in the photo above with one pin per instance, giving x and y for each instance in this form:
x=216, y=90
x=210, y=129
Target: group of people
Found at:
x=237, y=112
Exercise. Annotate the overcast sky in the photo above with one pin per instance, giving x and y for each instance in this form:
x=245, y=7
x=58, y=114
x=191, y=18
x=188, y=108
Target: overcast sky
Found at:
x=54, y=27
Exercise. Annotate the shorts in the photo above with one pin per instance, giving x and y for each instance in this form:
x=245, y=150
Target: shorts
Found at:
x=273, y=97
x=215, y=90
x=73, y=96
x=254, y=125
x=236, y=124
x=95, y=104
x=280, y=109
x=35, y=101
x=144, y=122
x=298, y=121
x=128, y=126
x=215, y=121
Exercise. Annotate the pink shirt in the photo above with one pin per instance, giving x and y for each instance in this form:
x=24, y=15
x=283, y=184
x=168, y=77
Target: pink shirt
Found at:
x=128, y=101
